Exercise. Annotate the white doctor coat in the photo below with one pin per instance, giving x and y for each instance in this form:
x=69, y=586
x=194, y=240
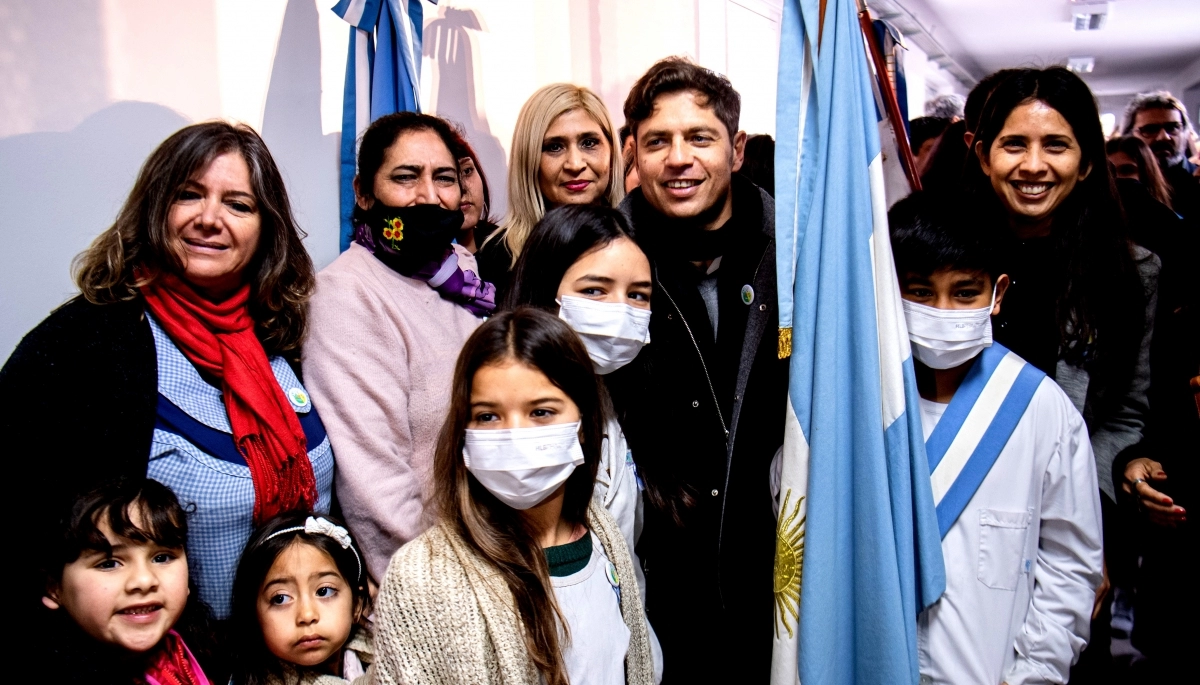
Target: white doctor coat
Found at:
x=1023, y=560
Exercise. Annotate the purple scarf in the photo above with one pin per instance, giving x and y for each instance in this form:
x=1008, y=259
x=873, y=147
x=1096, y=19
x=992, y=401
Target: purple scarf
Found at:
x=442, y=273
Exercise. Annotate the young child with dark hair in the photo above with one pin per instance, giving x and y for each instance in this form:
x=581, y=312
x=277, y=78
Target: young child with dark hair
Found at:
x=1014, y=479
x=117, y=590
x=299, y=600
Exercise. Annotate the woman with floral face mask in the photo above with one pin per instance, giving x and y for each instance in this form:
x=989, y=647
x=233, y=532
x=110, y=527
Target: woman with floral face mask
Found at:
x=388, y=319
x=524, y=579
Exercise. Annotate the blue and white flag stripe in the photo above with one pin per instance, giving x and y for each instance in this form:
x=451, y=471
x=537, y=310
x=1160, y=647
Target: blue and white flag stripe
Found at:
x=378, y=81
x=871, y=556
x=975, y=428
x=798, y=114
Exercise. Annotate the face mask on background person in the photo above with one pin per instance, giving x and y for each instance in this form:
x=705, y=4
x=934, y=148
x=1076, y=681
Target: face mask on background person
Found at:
x=612, y=332
x=946, y=338
x=523, y=466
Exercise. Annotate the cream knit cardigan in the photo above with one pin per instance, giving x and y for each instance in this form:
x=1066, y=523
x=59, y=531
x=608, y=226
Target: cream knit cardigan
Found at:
x=445, y=616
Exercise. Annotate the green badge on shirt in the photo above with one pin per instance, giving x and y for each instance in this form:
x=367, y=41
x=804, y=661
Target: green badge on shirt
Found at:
x=747, y=294
x=298, y=397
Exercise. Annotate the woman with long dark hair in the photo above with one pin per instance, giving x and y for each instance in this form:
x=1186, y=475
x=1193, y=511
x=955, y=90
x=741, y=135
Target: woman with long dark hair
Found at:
x=1082, y=301
x=476, y=202
x=179, y=358
x=1081, y=306
x=524, y=578
x=1131, y=159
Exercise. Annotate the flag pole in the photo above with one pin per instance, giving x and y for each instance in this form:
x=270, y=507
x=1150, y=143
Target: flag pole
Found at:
x=890, y=103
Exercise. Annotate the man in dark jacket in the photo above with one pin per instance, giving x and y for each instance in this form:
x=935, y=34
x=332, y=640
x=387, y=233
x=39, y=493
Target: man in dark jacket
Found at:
x=1160, y=120
x=703, y=405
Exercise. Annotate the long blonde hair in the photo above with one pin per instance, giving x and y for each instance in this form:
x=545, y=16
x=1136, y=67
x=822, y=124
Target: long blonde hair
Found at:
x=526, y=206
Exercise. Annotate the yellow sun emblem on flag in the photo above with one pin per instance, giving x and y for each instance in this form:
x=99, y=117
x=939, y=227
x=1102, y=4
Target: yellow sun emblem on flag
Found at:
x=789, y=564
x=393, y=230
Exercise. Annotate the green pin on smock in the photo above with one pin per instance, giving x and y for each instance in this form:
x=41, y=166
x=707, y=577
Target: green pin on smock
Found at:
x=747, y=295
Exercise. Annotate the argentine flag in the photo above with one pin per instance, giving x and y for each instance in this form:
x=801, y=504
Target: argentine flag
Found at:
x=379, y=80
x=858, y=553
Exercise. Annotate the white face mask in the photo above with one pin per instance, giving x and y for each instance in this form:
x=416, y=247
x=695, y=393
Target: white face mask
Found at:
x=612, y=332
x=946, y=338
x=523, y=466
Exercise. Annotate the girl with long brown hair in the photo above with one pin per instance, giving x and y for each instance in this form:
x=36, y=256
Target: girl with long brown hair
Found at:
x=524, y=578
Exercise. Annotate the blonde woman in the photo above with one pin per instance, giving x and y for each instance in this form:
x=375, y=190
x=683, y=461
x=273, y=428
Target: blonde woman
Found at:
x=564, y=151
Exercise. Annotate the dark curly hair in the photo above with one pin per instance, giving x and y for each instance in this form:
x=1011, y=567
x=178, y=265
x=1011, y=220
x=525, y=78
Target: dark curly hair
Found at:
x=676, y=74
x=138, y=247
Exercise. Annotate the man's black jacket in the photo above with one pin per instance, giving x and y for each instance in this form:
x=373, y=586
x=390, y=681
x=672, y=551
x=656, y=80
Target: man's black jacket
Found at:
x=704, y=417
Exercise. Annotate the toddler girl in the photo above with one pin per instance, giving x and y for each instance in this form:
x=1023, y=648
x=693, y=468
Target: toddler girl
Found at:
x=300, y=592
x=117, y=587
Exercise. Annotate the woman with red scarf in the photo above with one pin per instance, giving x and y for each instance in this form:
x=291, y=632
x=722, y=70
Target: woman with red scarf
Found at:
x=179, y=358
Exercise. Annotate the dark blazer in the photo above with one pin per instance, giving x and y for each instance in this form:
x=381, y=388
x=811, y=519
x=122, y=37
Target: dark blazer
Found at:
x=705, y=417
x=77, y=396
x=77, y=400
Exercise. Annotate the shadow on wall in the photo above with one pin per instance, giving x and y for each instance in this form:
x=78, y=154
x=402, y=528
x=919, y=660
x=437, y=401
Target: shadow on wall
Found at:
x=52, y=64
x=57, y=192
x=307, y=159
x=448, y=39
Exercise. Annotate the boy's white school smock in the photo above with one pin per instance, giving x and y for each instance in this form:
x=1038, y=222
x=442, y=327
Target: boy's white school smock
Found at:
x=1023, y=559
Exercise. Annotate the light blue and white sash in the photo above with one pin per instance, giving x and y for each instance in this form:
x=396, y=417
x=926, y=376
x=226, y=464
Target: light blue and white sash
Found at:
x=975, y=428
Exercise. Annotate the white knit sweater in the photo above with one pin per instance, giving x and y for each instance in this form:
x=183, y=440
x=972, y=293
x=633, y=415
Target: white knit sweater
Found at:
x=445, y=616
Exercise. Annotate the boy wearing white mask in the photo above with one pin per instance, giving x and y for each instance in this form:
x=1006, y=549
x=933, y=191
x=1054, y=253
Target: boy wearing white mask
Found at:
x=1013, y=476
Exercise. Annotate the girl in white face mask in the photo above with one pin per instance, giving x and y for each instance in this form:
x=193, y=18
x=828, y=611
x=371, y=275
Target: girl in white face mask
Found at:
x=584, y=264
x=517, y=529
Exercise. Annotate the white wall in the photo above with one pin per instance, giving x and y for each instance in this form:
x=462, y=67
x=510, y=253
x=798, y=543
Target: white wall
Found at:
x=926, y=79
x=89, y=87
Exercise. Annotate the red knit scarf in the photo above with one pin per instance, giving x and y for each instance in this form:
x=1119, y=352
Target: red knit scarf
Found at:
x=218, y=337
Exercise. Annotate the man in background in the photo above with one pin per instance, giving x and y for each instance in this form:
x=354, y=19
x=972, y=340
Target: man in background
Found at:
x=948, y=106
x=1160, y=120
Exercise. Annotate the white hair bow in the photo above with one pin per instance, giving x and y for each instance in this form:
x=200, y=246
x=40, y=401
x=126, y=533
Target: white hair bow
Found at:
x=319, y=525
x=323, y=526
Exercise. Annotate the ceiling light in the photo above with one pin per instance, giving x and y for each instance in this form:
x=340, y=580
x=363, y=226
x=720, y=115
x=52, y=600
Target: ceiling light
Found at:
x=1090, y=15
x=1081, y=65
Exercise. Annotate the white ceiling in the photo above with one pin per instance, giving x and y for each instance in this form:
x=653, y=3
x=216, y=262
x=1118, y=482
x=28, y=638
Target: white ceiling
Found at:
x=1145, y=43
